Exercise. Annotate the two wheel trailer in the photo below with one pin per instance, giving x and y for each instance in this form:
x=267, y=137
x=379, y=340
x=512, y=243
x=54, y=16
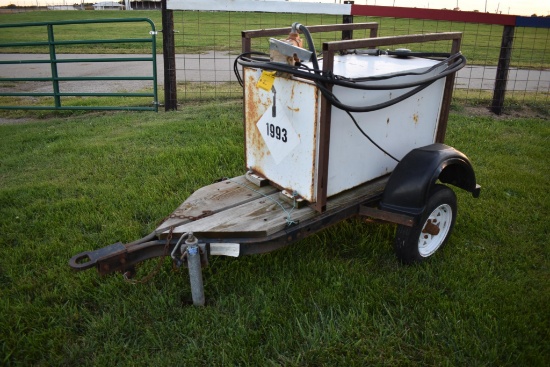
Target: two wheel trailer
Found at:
x=357, y=132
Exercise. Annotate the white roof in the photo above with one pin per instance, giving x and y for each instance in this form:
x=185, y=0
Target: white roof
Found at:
x=108, y=3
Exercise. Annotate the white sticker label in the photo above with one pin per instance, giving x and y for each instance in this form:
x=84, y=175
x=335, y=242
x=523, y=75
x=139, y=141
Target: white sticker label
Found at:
x=277, y=132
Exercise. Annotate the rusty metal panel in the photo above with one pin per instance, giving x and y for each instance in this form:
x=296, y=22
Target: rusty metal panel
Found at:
x=281, y=126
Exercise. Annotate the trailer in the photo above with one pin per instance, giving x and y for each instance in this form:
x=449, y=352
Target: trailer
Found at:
x=357, y=132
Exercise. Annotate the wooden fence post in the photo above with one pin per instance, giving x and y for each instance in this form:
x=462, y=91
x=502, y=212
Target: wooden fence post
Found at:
x=347, y=35
x=169, y=52
x=502, y=69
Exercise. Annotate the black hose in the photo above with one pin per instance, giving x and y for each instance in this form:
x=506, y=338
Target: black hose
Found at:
x=348, y=108
x=310, y=45
x=319, y=76
x=235, y=63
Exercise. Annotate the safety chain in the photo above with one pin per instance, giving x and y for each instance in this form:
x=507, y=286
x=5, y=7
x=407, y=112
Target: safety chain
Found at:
x=205, y=213
x=153, y=272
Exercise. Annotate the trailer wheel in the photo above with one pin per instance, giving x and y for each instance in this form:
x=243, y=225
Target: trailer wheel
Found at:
x=417, y=243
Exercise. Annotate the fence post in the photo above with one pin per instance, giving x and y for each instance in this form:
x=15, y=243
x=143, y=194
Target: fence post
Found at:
x=502, y=69
x=169, y=53
x=347, y=35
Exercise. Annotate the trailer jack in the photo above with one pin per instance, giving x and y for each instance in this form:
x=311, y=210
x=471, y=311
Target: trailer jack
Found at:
x=195, y=256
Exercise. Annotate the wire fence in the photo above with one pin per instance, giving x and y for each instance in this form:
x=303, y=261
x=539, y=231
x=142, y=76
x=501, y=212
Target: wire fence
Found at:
x=206, y=43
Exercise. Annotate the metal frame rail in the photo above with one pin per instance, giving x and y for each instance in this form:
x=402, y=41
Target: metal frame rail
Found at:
x=55, y=79
x=195, y=251
x=346, y=29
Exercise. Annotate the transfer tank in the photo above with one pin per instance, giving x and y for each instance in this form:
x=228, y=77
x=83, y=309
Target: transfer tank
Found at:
x=282, y=123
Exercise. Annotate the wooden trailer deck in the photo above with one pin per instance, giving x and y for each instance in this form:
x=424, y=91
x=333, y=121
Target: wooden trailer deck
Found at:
x=237, y=208
x=235, y=217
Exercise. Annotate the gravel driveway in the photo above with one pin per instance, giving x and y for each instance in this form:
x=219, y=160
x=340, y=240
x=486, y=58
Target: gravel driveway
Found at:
x=207, y=67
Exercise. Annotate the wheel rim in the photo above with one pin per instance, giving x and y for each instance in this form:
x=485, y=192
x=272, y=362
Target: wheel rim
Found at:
x=435, y=230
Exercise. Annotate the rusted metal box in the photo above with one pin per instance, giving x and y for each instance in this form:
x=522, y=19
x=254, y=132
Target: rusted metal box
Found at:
x=282, y=123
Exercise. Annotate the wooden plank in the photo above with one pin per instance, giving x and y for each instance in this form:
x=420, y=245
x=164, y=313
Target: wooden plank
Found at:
x=383, y=215
x=215, y=198
x=271, y=32
x=336, y=46
x=257, y=218
x=433, y=14
x=263, y=217
x=358, y=194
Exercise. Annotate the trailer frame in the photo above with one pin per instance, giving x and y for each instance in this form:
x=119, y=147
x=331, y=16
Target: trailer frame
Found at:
x=235, y=217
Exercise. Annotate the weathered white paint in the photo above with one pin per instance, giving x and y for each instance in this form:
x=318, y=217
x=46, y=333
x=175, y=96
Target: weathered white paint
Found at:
x=353, y=160
x=289, y=164
x=398, y=129
x=259, y=6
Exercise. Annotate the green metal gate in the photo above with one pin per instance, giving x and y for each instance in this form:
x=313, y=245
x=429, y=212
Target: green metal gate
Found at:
x=54, y=61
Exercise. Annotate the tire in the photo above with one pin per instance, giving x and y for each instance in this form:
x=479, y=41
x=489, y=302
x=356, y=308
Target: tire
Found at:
x=414, y=244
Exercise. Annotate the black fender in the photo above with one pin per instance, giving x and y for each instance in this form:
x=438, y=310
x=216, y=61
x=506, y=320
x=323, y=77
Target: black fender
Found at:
x=410, y=183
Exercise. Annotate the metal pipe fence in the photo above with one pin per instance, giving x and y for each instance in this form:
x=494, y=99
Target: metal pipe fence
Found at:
x=55, y=87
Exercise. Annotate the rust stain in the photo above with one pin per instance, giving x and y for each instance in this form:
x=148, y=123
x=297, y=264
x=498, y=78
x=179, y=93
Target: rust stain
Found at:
x=291, y=99
x=415, y=118
x=254, y=106
x=256, y=103
x=256, y=147
x=316, y=122
x=258, y=155
x=258, y=169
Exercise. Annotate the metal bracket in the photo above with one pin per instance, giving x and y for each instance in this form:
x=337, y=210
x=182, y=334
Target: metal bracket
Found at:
x=256, y=179
x=289, y=50
x=293, y=199
x=182, y=247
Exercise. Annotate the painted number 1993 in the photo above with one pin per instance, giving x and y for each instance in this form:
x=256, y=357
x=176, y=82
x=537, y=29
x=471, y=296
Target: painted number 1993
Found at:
x=276, y=132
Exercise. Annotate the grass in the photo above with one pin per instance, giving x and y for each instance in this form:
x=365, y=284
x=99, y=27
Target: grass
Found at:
x=79, y=181
x=205, y=31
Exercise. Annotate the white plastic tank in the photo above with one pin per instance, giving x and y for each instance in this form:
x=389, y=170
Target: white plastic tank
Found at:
x=282, y=124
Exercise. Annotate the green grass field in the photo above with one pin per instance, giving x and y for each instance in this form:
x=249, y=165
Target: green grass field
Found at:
x=76, y=181
x=206, y=31
x=81, y=181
